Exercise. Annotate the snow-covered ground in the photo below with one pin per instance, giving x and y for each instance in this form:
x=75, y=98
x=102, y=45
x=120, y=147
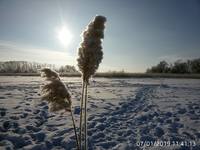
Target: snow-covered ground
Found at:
x=123, y=114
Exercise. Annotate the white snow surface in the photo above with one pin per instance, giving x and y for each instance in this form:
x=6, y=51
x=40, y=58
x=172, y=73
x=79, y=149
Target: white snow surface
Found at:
x=122, y=114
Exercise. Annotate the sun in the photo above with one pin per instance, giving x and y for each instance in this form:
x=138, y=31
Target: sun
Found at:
x=64, y=35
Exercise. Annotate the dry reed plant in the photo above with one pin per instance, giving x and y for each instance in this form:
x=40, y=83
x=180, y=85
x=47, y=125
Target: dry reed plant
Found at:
x=56, y=94
x=89, y=57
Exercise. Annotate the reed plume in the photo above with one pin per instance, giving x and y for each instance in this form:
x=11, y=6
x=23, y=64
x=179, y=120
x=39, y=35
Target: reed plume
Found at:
x=90, y=55
x=57, y=95
x=49, y=74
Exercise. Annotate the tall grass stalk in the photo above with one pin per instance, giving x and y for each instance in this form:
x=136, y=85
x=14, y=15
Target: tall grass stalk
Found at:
x=55, y=92
x=81, y=113
x=90, y=56
x=76, y=135
x=85, y=117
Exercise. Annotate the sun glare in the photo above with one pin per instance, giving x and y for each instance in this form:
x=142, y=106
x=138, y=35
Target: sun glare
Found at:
x=64, y=36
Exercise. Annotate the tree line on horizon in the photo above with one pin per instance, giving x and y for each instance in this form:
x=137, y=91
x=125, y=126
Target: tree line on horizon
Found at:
x=32, y=67
x=179, y=67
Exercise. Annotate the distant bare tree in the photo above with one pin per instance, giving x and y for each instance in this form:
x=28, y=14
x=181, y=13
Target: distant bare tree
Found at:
x=195, y=65
x=31, y=67
x=179, y=66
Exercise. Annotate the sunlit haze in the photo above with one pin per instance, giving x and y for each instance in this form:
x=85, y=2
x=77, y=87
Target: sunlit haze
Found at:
x=64, y=35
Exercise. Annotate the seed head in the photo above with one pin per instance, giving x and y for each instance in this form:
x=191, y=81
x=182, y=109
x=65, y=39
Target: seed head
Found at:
x=56, y=94
x=49, y=74
x=90, y=52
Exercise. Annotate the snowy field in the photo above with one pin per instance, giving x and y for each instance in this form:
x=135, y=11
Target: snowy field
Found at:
x=123, y=114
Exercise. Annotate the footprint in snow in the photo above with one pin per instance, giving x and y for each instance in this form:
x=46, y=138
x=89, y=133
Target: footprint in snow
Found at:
x=14, y=117
x=16, y=107
x=3, y=111
x=28, y=110
x=24, y=115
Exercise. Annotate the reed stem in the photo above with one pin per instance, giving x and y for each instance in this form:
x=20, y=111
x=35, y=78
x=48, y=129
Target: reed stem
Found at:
x=77, y=143
x=81, y=115
x=85, y=118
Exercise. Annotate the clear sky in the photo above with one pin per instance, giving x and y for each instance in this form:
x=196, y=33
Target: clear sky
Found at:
x=139, y=33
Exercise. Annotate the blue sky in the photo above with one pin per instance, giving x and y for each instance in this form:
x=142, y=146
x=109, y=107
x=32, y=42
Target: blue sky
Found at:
x=139, y=33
